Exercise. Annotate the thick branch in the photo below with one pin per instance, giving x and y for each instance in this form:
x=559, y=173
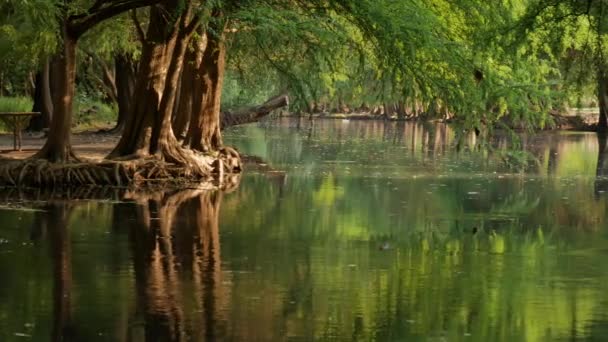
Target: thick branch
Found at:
x=253, y=114
x=81, y=23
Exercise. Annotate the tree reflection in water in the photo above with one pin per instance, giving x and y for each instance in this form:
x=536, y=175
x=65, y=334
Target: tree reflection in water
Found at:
x=170, y=261
x=52, y=222
x=301, y=258
x=177, y=267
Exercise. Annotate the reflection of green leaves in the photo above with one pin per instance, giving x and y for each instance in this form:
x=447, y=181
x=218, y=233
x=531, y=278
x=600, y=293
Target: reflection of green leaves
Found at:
x=328, y=192
x=436, y=263
x=497, y=243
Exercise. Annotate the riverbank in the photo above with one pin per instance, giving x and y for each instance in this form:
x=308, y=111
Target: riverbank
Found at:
x=90, y=168
x=87, y=145
x=580, y=119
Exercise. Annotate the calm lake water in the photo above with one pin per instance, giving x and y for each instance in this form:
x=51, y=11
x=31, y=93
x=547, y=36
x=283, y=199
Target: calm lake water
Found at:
x=353, y=231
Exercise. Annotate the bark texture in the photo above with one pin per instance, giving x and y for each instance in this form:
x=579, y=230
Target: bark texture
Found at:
x=204, y=131
x=145, y=115
x=188, y=99
x=148, y=131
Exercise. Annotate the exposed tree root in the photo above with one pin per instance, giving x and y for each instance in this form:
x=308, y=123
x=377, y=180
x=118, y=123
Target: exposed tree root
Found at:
x=194, y=168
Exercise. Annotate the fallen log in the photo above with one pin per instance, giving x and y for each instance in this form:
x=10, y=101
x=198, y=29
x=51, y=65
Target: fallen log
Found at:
x=253, y=114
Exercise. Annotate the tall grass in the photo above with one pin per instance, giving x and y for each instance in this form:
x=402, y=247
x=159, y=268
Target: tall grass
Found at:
x=16, y=104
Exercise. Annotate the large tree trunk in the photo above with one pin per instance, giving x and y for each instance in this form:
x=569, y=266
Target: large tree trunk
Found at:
x=166, y=140
x=204, y=131
x=157, y=50
x=58, y=147
x=187, y=97
x=602, y=94
x=43, y=101
x=126, y=73
x=148, y=130
x=253, y=114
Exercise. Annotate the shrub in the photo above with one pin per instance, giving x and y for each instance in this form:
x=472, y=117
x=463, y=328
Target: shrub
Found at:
x=90, y=113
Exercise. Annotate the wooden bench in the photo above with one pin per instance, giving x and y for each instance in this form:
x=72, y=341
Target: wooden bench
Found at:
x=17, y=121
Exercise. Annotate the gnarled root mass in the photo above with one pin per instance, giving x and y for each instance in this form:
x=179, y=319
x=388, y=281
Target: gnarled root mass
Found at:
x=218, y=170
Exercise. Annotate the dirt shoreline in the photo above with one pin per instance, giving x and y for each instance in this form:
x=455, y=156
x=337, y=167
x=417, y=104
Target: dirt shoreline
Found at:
x=89, y=145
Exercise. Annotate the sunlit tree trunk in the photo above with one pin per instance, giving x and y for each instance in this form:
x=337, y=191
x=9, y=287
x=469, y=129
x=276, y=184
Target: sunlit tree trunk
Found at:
x=148, y=129
x=204, y=130
x=186, y=103
x=150, y=84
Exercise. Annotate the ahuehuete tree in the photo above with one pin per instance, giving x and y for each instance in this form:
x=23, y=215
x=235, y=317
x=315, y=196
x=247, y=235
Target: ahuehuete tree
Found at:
x=182, y=64
x=73, y=22
x=148, y=131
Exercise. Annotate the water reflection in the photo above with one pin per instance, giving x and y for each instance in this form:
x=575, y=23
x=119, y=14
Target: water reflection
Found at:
x=353, y=231
x=176, y=267
x=168, y=259
x=56, y=216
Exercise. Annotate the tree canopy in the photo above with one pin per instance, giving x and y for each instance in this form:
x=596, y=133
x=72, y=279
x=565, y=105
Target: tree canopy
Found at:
x=164, y=65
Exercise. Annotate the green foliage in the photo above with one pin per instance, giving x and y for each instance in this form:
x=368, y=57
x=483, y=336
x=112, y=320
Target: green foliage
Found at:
x=15, y=104
x=92, y=113
x=427, y=54
x=27, y=37
x=239, y=92
x=510, y=62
